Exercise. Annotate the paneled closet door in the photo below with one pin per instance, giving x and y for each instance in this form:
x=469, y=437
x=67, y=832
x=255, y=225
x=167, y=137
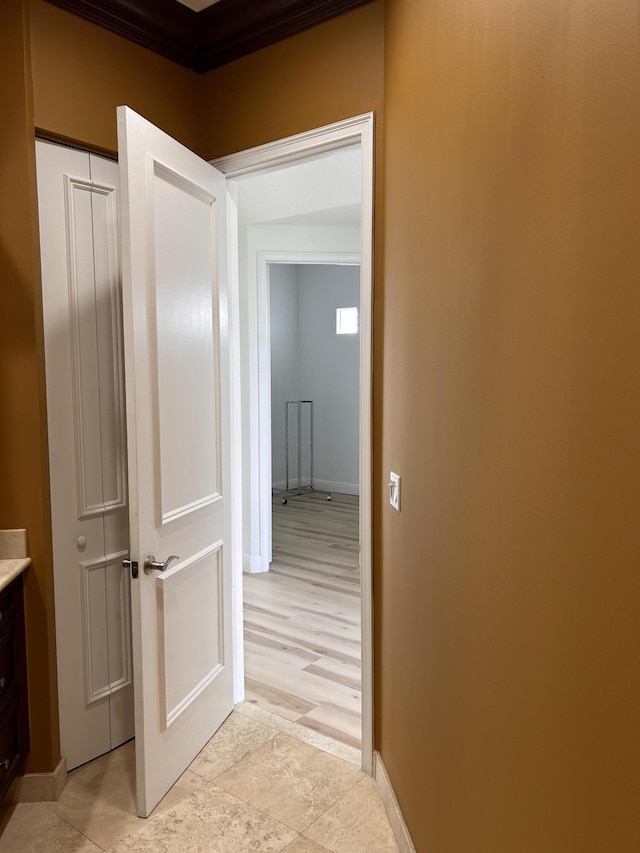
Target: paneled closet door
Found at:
x=77, y=196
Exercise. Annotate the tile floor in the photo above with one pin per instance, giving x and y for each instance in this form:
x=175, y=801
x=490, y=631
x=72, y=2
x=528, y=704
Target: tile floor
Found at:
x=252, y=788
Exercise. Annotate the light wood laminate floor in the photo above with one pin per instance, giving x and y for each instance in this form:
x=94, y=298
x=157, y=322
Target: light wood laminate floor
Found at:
x=302, y=618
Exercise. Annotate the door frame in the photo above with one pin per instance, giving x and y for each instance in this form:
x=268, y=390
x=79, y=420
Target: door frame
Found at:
x=265, y=259
x=284, y=152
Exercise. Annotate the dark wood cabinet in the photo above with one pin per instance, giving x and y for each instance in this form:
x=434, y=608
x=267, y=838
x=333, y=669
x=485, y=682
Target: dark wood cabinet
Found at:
x=14, y=709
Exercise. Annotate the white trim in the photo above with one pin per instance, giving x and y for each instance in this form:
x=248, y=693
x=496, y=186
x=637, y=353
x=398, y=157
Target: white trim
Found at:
x=292, y=149
x=234, y=489
x=254, y=565
x=172, y=716
x=282, y=152
x=265, y=485
x=86, y=510
x=194, y=506
x=392, y=807
x=284, y=257
x=322, y=485
x=93, y=692
x=337, y=487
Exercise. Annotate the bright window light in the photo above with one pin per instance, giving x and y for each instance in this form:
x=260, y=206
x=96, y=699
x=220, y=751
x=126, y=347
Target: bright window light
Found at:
x=346, y=321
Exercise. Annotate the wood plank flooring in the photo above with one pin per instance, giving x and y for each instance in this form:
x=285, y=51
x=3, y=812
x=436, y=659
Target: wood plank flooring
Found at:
x=302, y=618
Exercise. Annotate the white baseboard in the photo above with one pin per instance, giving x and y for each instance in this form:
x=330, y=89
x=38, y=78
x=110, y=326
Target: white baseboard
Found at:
x=253, y=565
x=281, y=484
x=322, y=485
x=43, y=787
x=340, y=488
x=396, y=818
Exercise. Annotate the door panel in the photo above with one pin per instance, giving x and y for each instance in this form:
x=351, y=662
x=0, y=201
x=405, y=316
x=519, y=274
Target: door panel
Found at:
x=186, y=341
x=177, y=391
x=191, y=612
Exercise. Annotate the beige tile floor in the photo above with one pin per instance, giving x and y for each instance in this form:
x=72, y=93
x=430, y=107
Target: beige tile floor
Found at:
x=252, y=788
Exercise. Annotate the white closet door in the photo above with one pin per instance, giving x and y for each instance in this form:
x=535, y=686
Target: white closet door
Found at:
x=85, y=401
x=108, y=300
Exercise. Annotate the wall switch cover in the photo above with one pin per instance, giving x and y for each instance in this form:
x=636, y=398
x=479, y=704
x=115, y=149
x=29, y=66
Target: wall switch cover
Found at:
x=394, y=490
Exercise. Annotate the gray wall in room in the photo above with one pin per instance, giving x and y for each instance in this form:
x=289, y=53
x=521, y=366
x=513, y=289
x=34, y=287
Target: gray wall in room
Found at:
x=309, y=361
x=283, y=285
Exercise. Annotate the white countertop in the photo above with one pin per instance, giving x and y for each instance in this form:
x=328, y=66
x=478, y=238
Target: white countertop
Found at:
x=10, y=569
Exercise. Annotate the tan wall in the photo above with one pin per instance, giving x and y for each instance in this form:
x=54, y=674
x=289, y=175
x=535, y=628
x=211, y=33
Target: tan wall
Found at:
x=330, y=72
x=81, y=73
x=506, y=392
x=24, y=484
x=508, y=610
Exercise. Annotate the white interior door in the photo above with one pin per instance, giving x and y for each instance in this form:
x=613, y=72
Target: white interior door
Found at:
x=87, y=451
x=175, y=309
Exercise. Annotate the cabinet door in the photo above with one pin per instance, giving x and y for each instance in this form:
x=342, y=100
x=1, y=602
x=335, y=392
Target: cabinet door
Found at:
x=77, y=195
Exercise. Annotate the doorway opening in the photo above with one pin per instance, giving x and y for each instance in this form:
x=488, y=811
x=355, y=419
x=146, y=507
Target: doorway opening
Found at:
x=312, y=148
x=302, y=617
x=312, y=227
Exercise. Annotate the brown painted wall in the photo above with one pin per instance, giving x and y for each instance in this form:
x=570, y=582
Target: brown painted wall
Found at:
x=81, y=73
x=506, y=392
x=24, y=483
x=508, y=617
x=330, y=72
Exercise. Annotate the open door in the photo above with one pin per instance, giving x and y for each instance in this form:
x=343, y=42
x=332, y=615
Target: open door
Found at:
x=175, y=304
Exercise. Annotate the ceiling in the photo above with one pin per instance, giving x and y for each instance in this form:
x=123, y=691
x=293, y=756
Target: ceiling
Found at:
x=323, y=191
x=204, y=34
x=347, y=216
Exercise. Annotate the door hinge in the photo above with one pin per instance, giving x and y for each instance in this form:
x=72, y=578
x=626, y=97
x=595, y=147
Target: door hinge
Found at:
x=131, y=564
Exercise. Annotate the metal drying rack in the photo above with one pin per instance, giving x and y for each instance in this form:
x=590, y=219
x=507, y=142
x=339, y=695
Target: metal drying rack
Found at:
x=300, y=489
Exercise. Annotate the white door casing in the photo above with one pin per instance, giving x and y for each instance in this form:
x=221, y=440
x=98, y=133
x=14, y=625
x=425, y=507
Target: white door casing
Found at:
x=77, y=198
x=263, y=261
x=176, y=337
x=283, y=152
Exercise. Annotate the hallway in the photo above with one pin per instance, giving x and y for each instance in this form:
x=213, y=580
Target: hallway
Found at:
x=251, y=788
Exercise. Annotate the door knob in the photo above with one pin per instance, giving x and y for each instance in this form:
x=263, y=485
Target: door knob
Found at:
x=153, y=565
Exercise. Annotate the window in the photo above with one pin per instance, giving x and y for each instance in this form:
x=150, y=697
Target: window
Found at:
x=346, y=321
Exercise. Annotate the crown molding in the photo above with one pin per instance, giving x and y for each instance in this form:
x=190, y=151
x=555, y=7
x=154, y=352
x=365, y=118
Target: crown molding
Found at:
x=205, y=40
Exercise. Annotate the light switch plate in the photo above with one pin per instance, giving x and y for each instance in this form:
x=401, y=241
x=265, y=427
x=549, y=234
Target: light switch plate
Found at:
x=394, y=490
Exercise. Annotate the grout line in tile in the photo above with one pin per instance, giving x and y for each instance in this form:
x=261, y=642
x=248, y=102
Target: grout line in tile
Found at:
x=155, y=815
x=280, y=820
x=258, y=809
x=330, y=807
x=231, y=766
x=52, y=810
x=328, y=745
